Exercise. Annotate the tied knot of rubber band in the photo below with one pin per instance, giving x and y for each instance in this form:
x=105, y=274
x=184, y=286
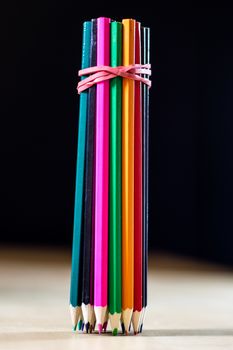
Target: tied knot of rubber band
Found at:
x=98, y=74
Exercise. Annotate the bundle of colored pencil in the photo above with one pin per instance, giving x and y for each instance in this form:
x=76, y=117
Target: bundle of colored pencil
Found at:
x=110, y=238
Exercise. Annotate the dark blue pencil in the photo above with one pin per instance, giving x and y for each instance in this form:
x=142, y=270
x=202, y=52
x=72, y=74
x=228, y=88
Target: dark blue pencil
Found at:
x=145, y=56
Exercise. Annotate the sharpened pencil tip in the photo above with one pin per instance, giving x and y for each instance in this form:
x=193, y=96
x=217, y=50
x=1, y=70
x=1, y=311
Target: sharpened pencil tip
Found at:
x=123, y=327
x=105, y=326
x=141, y=328
x=87, y=327
x=126, y=332
x=115, y=331
x=80, y=323
x=83, y=326
x=100, y=328
x=74, y=328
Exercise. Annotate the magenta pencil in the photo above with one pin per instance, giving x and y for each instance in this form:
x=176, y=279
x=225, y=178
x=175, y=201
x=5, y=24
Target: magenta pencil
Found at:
x=101, y=176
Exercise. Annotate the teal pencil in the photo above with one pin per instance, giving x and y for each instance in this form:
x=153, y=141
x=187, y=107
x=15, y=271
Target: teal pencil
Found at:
x=75, y=288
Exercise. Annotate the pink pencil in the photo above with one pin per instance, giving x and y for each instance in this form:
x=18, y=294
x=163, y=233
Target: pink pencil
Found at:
x=101, y=177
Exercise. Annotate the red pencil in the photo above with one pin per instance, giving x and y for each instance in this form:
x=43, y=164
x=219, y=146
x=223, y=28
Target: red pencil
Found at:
x=137, y=192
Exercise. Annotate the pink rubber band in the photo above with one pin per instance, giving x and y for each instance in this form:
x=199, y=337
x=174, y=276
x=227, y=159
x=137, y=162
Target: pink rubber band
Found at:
x=102, y=73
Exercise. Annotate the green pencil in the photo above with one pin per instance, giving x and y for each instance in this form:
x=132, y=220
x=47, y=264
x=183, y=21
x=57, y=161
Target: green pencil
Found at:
x=75, y=288
x=115, y=182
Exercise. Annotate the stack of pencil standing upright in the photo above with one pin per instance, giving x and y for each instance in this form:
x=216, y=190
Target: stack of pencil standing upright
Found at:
x=110, y=237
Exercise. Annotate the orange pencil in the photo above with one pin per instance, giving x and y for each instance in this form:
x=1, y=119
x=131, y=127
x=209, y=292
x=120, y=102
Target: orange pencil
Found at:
x=128, y=176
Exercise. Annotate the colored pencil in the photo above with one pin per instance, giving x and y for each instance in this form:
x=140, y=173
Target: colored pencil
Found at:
x=128, y=176
x=88, y=266
x=75, y=288
x=80, y=322
x=93, y=320
x=105, y=324
x=115, y=182
x=137, y=191
x=110, y=234
x=145, y=59
x=101, y=177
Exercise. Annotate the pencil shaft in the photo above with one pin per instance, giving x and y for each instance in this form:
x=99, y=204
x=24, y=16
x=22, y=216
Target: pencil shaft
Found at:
x=138, y=181
x=145, y=59
x=75, y=297
x=115, y=174
x=101, y=169
x=88, y=275
x=128, y=169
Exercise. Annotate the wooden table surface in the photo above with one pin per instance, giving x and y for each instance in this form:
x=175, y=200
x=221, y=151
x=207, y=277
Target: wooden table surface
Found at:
x=190, y=305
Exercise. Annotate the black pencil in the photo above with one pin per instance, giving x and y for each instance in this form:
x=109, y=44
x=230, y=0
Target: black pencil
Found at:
x=145, y=36
x=88, y=268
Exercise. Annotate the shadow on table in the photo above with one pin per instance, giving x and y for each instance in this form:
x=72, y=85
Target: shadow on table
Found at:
x=187, y=332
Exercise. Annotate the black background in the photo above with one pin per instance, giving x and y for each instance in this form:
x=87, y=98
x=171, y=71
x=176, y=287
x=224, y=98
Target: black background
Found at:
x=191, y=142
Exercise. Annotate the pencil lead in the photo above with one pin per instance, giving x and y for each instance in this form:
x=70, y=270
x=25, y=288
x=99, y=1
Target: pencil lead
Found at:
x=105, y=326
x=115, y=331
x=75, y=315
x=87, y=327
x=141, y=328
x=122, y=327
x=80, y=325
x=129, y=327
x=100, y=328
x=74, y=328
x=92, y=327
